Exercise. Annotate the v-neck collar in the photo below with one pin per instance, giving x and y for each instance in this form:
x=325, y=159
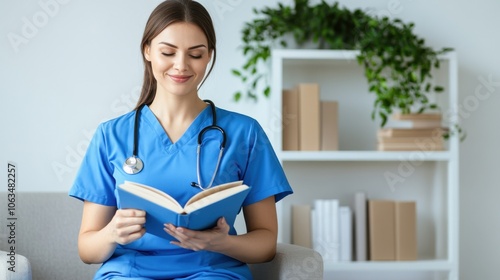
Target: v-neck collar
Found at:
x=192, y=131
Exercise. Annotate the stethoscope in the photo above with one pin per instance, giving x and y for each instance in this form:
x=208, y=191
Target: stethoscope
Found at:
x=134, y=164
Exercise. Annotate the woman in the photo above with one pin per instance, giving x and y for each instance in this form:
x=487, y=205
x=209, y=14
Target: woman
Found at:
x=177, y=46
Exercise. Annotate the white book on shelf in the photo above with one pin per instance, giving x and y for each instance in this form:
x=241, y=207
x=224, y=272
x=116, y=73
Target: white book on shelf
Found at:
x=334, y=230
x=316, y=228
x=326, y=232
x=345, y=218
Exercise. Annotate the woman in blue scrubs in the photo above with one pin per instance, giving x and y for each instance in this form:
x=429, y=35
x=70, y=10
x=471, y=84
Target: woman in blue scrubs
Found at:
x=177, y=46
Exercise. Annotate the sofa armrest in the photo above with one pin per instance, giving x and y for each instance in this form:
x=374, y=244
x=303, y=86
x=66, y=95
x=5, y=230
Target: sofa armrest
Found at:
x=290, y=262
x=16, y=267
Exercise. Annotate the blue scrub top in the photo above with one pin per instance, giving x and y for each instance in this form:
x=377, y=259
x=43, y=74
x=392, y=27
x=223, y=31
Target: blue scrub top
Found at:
x=171, y=167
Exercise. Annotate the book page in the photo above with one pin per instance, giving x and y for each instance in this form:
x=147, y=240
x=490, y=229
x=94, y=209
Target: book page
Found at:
x=153, y=195
x=212, y=190
x=213, y=197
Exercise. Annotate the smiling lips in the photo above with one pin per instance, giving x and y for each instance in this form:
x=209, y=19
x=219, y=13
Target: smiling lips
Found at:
x=180, y=78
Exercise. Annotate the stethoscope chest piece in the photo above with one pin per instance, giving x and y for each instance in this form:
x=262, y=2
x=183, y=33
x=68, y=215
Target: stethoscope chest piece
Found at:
x=133, y=165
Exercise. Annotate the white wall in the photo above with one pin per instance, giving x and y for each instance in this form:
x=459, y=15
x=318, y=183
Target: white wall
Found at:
x=66, y=65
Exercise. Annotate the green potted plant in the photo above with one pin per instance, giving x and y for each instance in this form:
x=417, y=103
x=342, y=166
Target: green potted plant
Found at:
x=397, y=63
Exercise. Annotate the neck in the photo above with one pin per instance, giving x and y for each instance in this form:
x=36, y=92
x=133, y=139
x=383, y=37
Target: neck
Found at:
x=173, y=110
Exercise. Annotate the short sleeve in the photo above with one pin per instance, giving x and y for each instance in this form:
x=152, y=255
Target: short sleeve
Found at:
x=94, y=181
x=264, y=172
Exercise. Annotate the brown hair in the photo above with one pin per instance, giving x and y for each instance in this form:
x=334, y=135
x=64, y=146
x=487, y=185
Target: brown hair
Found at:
x=169, y=12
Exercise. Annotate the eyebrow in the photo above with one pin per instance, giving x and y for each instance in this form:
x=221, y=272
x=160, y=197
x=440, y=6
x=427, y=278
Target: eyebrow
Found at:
x=190, y=48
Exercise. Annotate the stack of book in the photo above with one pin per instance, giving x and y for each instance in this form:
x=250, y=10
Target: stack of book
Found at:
x=326, y=227
x=309, y=124
x=375, y=230
x=411, y=132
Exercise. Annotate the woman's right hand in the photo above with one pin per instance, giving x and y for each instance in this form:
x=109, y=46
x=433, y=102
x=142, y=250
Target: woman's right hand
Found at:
x=104, y=227
x=127, y=225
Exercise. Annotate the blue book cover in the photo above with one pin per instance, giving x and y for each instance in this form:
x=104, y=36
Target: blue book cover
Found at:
x=201, y=212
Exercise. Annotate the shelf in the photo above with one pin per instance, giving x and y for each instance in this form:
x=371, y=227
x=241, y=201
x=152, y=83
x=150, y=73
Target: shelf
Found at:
x=364, y=156
x=424, y=265
x=434, y=184
x=317, y=55
x=314, y=54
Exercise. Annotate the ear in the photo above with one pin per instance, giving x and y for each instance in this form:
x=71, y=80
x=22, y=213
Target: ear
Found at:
x=147, y=50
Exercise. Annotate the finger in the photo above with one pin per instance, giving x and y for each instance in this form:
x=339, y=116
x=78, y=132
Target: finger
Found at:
x=129, y=230
x=123, y=240
x=185, y=233
x=131, y=213
x=135, y=234
x=177, y=232
x=122, y=222
x=184, y=238
x=170, y=229
x=138, y=213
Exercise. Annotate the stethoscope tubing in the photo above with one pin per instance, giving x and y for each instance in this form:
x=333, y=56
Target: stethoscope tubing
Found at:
x=134, y=165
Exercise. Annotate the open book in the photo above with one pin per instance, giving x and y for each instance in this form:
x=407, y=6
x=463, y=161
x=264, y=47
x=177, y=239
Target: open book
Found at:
x=200, y=212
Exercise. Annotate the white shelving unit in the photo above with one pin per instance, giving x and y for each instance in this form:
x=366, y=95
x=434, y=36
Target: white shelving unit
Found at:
x=430, y=178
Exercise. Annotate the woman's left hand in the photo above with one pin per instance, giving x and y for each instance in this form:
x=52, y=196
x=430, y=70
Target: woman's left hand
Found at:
x=211, y=240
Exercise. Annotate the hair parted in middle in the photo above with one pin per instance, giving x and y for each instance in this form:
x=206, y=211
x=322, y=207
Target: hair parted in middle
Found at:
x=165, y=14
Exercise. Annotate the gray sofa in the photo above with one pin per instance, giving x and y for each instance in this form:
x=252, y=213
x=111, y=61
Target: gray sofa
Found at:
x=46, y=232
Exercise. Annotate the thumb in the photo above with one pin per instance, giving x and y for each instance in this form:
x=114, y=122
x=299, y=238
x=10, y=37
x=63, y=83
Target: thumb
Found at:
x=221, y=223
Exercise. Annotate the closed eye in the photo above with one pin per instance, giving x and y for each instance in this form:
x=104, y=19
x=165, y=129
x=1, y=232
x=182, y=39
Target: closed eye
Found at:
x=192, y=56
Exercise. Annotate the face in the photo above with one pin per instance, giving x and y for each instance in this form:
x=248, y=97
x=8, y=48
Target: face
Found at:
x=179, y=57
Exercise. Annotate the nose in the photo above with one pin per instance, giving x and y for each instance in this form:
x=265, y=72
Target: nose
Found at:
x=180, y=62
